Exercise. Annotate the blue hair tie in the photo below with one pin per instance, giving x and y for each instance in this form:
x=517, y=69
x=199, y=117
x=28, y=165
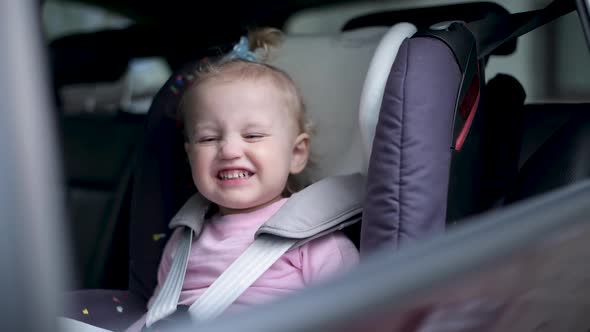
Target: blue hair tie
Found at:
x=241, y=51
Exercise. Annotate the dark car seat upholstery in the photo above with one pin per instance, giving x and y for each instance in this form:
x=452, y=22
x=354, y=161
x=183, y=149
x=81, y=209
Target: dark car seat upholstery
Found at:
x=564, y=158
x=541, y=120
x=162, y=183
x=503, y=123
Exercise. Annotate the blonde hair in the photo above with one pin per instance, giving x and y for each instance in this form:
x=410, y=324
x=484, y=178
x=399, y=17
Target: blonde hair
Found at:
x=261, y=41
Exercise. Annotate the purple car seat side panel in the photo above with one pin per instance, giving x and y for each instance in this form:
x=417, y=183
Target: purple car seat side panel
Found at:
x=408, y=173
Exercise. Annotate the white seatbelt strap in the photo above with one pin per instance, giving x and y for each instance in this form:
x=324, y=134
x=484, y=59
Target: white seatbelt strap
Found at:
x=167, y=299
x=240, y=275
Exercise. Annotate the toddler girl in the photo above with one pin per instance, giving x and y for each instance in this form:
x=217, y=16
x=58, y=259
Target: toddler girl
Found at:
x=247, y=136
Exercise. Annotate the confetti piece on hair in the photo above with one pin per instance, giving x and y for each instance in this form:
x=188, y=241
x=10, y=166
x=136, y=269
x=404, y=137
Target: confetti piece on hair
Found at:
x=119, y=309
x=125, y=295
x=158, y=236
x=115, y=299
x=174, y=89
x=85, y=311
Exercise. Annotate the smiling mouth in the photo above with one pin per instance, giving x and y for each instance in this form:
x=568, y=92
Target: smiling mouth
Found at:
x=234, y=174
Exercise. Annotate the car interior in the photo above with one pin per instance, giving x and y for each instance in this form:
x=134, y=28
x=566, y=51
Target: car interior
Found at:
x=477, y=110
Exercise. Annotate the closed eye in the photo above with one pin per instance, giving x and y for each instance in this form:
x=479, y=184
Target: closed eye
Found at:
x=207, y=139
x=254, y=136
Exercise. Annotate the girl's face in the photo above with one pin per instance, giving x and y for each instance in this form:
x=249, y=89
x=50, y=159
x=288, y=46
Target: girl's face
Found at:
x=243, y=142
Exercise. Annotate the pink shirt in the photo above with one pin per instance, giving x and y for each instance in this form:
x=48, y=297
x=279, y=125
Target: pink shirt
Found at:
x=223, y=240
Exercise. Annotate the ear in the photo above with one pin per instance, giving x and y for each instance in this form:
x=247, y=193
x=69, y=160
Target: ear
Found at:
x=300, y=153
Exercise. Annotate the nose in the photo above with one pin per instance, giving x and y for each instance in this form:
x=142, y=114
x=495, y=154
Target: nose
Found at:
x=230, y=148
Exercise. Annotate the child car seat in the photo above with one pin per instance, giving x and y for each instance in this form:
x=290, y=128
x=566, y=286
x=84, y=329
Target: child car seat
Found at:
x=461, y=49
x=450, y=78
x=332, y=78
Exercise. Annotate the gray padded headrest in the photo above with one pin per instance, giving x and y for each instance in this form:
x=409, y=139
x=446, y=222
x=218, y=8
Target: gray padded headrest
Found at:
x=330, y=71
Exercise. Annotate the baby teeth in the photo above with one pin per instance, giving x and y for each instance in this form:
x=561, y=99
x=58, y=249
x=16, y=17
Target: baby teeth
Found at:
x=233, y=175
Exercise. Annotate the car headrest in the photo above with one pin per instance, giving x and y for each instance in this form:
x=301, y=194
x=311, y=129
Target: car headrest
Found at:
x=331, y=71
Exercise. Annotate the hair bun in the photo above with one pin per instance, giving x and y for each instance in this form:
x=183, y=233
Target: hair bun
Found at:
x=263, y=40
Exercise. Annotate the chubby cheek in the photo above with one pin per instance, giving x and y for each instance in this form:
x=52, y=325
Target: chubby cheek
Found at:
x=200, y=170
x=265, y=155
x=199, y=176
x=274, y=160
